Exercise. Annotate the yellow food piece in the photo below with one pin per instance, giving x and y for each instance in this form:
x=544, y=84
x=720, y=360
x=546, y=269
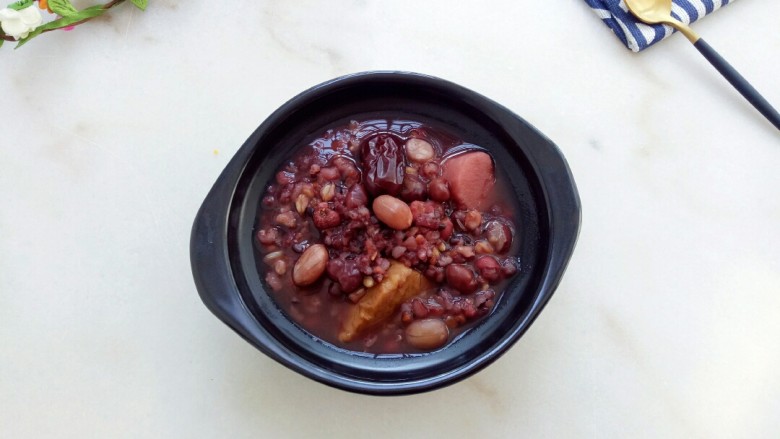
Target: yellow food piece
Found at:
x=381, y=301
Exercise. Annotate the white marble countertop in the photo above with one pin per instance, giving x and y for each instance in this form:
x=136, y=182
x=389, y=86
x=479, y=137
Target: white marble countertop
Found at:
x=665, y=325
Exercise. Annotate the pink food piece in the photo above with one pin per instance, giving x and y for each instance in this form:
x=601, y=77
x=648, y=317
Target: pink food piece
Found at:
x=471, y=177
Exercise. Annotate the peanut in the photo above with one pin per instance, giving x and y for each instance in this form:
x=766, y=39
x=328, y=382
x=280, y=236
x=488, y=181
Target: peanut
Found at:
x=328, y=192
x=393, y=212
x=427, y=334
x=310, y=266
x=301, y=203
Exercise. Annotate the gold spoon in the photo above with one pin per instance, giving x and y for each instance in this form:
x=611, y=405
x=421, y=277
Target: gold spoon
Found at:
x=660, y=11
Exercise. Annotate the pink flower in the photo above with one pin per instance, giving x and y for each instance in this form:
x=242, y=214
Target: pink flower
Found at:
x=68, y=27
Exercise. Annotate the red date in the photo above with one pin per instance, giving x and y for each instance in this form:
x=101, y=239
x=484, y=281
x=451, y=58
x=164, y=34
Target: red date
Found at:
x=383, y=164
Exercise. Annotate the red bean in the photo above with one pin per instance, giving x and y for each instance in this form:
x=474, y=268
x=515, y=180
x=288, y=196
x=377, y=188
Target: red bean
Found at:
x=434, y=308
x=446, y=230
x=383, y=263
x=356, y=196
x=469, y=310
x=345, y=271
x=435, y=274
x=439, y=190
x=419, y=309
x=488, y=268
x=267, y=236
x=461, y=278
x=329, y=174
x=284, y=177
x=444, y=260
x=509, y=267
x=268, y=201
x=499, y=236
x=346, y=167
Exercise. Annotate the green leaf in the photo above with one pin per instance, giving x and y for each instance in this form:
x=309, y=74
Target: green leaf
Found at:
x=62, y=7
x=21, y=4
x=1, y=42
x=141, y=4
x=82, y=15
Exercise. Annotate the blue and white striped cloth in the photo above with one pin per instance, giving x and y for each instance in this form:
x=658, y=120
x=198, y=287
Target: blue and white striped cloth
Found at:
x=639, y=36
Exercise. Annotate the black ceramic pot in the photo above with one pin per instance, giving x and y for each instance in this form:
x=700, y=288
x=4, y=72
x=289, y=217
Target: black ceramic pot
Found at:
x=224, y=261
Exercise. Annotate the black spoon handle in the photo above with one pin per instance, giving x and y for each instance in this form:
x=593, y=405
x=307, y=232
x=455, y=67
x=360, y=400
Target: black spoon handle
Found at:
x=739, y=82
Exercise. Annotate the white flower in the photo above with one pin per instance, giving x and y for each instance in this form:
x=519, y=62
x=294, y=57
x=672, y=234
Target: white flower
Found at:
x=18, y=24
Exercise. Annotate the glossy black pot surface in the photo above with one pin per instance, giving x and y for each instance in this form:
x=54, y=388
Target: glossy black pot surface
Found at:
x=224, y=261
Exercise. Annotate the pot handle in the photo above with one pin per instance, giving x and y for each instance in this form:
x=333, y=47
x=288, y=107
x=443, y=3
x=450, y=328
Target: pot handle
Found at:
x=563, y=202
x=209, y=255
x=564, y=207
